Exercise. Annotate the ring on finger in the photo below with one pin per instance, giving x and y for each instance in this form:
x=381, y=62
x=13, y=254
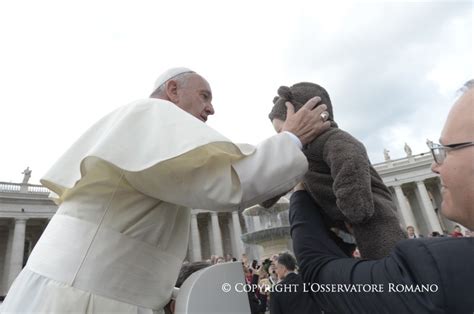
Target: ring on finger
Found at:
x=324, y=115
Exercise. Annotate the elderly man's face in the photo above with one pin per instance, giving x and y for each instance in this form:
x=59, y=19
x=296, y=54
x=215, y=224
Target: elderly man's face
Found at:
x=457, y=170
x=280, y=270
x=195, y=97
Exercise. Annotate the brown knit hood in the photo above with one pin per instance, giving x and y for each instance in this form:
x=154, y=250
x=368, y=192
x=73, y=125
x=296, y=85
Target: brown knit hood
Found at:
x=298, y=95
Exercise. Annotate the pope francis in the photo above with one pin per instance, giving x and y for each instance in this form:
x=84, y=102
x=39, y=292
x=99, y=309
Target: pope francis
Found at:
x=125, y=189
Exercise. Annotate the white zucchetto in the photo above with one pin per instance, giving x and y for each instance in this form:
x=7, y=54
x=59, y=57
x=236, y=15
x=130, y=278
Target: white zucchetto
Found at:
x=169, y=74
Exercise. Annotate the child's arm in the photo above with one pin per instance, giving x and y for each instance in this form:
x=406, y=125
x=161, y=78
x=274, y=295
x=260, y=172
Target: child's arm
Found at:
x=350, y=170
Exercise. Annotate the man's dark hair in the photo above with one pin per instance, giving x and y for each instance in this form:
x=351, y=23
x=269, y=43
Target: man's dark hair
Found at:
x=287, y=260
x=266, y=265
x=188, y=269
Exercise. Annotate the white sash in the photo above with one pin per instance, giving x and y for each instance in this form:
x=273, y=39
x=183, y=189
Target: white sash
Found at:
x=104, y=262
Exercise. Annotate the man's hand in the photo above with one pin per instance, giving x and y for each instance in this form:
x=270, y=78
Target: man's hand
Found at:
x=308, y=122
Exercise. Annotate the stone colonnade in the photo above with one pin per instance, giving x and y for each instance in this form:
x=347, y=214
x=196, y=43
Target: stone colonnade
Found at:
x=20, y=236
x=214, y=233
x=419, y=204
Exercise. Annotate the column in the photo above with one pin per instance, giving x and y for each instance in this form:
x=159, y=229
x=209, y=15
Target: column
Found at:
x=189, y=251
x=196, y=240
x=216, y=235
x=405, y=210
x=18, y=249
x=233, y=241
x=427, y=207
x=6, y=267
x=237, y=232
x=210, y=235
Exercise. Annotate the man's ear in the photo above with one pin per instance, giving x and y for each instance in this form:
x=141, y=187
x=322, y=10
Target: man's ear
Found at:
x=171, y=90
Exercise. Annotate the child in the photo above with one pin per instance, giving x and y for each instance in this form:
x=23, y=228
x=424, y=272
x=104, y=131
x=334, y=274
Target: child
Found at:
x=341, y=179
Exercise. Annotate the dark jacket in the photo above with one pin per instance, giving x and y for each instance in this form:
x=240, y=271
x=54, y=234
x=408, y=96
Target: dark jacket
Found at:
x=419, y=276
x=342, y=181
x=294, y=299
x=258, y=301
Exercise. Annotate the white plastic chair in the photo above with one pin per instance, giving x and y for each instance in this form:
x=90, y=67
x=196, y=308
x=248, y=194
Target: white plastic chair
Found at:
x=203, y=291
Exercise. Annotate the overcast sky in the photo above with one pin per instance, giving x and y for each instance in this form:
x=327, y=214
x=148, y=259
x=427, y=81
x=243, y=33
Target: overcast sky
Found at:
x=392, y=68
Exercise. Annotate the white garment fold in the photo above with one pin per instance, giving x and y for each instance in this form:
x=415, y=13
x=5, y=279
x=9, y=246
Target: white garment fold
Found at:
x=125, y=188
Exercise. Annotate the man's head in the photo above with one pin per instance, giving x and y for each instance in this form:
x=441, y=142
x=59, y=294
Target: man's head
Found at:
x=457, y=169
x=285, y=263
x=410, y=230
x=187, y=90
x=457, y=229
x=298, y=95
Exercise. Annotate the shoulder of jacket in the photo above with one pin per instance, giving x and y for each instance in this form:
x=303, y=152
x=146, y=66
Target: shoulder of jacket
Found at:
x=437, y=244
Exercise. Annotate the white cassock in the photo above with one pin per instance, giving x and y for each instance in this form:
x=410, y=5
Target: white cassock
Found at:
x=125, y=189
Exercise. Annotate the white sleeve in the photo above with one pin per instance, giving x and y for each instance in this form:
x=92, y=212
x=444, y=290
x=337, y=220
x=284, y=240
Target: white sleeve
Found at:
x=222, y=184
x=295, y=139
x=275, y=168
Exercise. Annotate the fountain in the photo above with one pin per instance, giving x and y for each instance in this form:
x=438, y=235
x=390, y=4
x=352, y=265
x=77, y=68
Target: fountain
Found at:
x=268, y=230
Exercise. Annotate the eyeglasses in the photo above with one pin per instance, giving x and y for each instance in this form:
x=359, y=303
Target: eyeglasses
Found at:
x=439, y=151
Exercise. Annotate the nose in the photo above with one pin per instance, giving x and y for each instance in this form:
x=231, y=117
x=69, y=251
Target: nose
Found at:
x=210, y=109
x=434, y=167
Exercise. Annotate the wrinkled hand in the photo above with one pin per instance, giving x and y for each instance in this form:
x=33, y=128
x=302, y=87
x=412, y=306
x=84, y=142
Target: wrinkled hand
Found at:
x=307, y=123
